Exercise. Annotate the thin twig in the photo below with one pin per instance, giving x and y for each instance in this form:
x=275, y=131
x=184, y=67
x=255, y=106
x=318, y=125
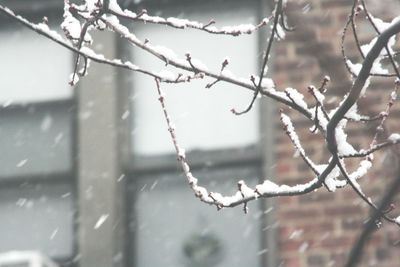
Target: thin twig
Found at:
x=184, y=23
x=277, y=13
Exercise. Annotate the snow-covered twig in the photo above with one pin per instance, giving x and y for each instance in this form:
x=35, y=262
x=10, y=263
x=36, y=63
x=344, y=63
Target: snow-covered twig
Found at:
x=354, y=68
x=290, y=131
x=319, y=98
x=350, y=101
x=278, y=13
x=363, y=153
x=177, y=23
x=378, y=30
x=385, y=114
x=86, y=52
x=244, y=194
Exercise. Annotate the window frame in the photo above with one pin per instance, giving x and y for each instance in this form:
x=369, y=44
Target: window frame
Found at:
x=257, y=154
x=135, y=163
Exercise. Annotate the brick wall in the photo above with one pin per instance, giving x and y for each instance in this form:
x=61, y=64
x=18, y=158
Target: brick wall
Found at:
x=320, y=228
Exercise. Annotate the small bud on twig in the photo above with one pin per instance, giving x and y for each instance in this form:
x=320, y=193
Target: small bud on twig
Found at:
x=143, y=12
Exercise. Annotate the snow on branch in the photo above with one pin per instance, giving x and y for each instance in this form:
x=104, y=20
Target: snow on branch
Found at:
x=244, y=193
x=235, y=30
x=289, y=129
x=379, y=26
x=43, y=29
x=80, y=21
x=276, y=30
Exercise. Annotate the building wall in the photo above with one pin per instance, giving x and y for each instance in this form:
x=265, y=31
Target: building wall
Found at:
x=320, y=228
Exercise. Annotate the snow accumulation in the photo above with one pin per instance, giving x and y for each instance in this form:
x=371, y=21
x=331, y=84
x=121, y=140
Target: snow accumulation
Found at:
x=147, y=18
x=320, y=96
x=362, y=170
x=92, y=5
x=167, y=75
x=296, y=97
x=378, y=69
x=131, y=65
x=199, y=64
x=354, y=68
x=245, y=190
x=344, y=148
x=186, y=167
x=121, y=29
x=267, y=84
x=397, y=220
x=380, y=24
x=352, y=113
x=393, y=95
x=331, y=181
x=181, y=152
x=184, y=23
x=366, y=84
x=179, y=23
x=395, y=137
x=377, y=66
x=290, y=129
x=88, y=51
x=280, y=32
x=45, y=28
x=117, y=61
x=367, y=47
x=225, y=200
x=164, y=51
x=71, y=26
x=228, y=74
x=269, y=187
x=242, y=28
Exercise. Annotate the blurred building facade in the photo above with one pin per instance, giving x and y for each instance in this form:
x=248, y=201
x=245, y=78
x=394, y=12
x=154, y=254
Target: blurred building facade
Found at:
x=88, y=175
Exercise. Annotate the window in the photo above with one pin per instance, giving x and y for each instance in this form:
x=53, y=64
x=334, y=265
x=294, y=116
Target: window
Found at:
x=36, y=140
x=169, y=227
x=197, y=111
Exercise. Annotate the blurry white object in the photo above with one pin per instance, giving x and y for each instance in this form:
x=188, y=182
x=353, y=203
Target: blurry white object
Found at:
x=25, y=258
